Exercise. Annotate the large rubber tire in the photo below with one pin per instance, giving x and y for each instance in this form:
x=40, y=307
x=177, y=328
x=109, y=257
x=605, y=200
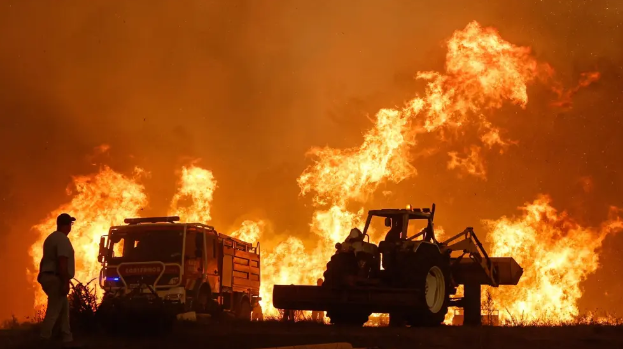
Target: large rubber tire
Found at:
x=243, y=312
x=347, y=317
x=339, y=267
x=203, y=303
x=428, y=270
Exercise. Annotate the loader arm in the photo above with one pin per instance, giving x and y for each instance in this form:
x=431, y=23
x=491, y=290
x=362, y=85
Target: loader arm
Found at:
x=470, y=244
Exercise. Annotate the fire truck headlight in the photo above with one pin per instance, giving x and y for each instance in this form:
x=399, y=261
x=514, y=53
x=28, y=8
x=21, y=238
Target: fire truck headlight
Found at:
x=173, y=297
x=174, y=281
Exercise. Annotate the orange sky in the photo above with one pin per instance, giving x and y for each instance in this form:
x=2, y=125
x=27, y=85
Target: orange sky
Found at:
x=250, y=86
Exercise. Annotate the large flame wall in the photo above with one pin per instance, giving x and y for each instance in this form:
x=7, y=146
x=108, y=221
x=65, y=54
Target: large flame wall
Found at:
x=491, y=120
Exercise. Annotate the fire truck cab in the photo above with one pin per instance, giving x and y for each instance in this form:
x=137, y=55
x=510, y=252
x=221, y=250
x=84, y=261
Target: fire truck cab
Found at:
x=188, y=265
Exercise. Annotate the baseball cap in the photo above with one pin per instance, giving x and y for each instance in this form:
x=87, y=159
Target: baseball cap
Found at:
x=64, y=219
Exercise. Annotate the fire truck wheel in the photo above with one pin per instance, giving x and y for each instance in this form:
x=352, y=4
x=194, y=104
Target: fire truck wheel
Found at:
x=244, y=310
x=202, y=304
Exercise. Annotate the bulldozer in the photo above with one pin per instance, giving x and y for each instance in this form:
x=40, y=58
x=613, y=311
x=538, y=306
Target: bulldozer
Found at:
x=414, y=278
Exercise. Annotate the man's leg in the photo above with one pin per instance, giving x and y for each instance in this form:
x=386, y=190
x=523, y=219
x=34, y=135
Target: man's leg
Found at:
x=52, y=287
x=64, y=321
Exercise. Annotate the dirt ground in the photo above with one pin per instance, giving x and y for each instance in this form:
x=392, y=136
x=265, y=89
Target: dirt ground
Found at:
x=271, y=334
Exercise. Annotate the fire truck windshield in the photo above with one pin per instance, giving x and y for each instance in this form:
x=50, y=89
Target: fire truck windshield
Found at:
x=145, y=245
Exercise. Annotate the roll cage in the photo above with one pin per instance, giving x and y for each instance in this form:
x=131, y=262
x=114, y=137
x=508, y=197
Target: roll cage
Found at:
x=406, y=215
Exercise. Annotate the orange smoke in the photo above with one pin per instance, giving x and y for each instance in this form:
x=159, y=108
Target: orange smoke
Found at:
x=99, y=201
x=557, y=254
x=482, y=72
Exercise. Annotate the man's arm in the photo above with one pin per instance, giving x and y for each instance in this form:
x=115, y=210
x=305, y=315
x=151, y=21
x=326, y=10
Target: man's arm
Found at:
x=63, y=252
x=63, y=273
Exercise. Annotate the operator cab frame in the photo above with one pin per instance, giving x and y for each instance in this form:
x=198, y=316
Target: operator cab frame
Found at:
x=405, y=216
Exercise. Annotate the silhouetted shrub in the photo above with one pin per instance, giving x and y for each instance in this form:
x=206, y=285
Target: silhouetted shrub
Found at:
x=83, y=305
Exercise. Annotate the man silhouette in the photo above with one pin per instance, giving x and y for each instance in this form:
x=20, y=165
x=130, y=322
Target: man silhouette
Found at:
x=56, y=269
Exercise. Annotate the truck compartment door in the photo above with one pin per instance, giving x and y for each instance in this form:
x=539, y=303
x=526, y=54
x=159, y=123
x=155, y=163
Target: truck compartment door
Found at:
x=228, y=267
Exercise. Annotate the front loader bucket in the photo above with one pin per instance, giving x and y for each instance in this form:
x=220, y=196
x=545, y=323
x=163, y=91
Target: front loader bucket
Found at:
x=468, y=271
x=509, y=270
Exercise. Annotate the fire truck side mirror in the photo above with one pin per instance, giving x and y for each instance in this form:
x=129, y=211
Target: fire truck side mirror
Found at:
x=102, y=250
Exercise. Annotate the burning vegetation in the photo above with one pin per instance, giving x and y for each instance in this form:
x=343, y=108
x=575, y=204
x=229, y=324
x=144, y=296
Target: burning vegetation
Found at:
x=557, y=254
x=483, y=72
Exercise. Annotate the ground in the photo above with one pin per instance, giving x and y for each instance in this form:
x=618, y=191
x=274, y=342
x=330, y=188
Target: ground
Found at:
x=271, y=334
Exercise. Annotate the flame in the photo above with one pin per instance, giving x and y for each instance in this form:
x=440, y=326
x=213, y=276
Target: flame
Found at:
x=286, y=263
x=472, y=163
x=250, y=231
x=101, y=149
x=100, y=200
x=565, y=95
x=557, y=254
x=482, y=71
x=193, y=199
x=352, y=174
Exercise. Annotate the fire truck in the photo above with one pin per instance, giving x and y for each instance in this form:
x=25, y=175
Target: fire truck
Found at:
x=181, y=266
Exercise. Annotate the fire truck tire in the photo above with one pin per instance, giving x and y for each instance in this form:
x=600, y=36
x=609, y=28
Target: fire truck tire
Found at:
x=202, y=304
x=244, y=310
x=428, y=270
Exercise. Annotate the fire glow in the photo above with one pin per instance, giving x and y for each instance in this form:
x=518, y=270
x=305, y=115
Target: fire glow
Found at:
x=483, y=72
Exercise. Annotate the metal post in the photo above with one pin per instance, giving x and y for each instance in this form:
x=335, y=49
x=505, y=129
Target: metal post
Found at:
x=471, y=305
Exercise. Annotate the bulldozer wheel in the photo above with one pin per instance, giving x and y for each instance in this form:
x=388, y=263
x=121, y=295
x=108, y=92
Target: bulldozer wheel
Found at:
x=428, y=270
x=349, y=318
x=340, y=265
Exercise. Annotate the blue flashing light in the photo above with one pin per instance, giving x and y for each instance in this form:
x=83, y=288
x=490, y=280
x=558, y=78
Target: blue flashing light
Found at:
x=113, y=279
